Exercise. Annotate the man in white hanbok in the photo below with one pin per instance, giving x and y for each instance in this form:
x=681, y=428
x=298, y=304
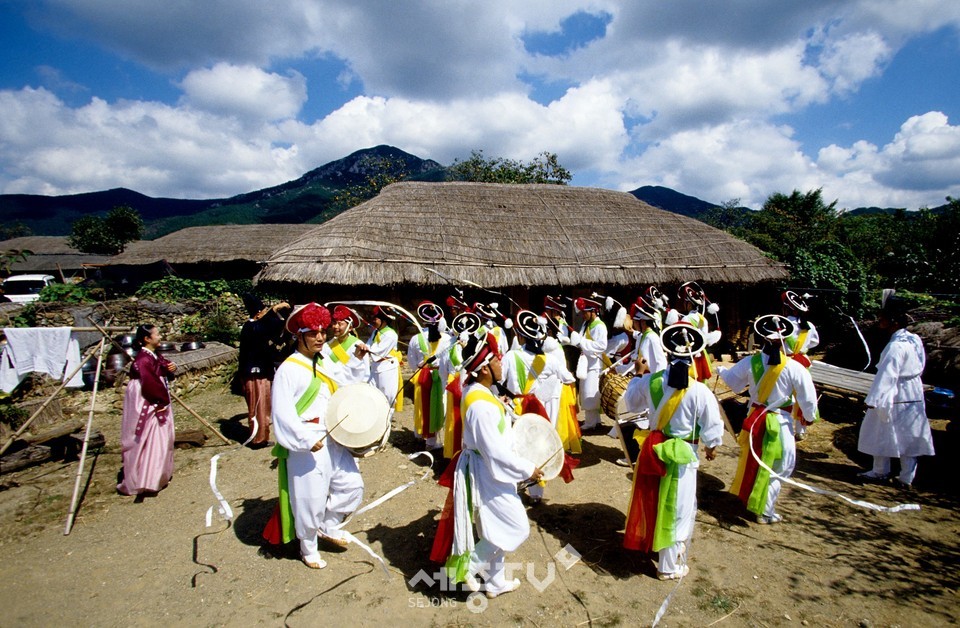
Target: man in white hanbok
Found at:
x=592, y=342
x=796, y=346
x=896, y=425
x=381, y=348
x=345, y=349
x=529, y=370
x=485, y=479
x=684, y=413
x=323, y=479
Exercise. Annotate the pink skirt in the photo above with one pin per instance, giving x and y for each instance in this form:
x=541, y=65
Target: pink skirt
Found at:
x=146, y=439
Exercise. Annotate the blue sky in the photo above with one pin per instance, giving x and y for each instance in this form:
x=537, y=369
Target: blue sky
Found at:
x=721, y=100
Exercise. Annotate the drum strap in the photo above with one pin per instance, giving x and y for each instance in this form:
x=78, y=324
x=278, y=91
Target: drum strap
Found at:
x=665, y=411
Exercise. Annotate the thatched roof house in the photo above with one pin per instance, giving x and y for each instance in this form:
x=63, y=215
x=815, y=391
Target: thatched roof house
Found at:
x=50, y=255
x=215, y=251
x=501, y=235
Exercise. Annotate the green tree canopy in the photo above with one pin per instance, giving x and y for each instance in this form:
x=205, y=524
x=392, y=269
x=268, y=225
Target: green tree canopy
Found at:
x=108, y=235
x=544, y=168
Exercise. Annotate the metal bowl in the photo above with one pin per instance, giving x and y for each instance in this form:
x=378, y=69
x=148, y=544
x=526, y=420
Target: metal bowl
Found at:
x=126, y=340
x=192, y=345
x=166, y=347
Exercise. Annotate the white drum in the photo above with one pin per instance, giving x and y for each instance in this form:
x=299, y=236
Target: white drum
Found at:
x=358, y=418
x=535, y=439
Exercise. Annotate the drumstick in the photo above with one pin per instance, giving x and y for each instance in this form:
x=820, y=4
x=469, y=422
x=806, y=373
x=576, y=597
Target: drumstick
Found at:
x=345, y=417
x=619, y=360
x=527, y=483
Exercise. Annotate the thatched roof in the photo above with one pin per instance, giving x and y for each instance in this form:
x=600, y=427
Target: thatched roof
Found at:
x=514, y=235
x=215, y=243
x=47, y=253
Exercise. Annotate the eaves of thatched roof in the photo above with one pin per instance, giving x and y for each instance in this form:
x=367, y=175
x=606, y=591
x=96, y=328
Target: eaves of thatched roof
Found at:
x=48, y=253
x=514, y=235
x=215, y=243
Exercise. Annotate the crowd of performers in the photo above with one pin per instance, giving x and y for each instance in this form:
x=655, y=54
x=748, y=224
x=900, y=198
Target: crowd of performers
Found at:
x=474, y=376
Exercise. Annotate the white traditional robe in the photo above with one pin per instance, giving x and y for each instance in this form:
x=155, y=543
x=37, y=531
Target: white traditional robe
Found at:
x=896, y=423
x=812, y=340
x=545, y=385
x=650, y=347
x=697, y=417
x=384, y=368
x=324, y=485
x=616, y=347
x=592, y=341
x=355, y=370
x=794, y=382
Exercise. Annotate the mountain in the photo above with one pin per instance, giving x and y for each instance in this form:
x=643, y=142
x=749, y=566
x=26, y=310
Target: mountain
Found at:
x=307, y=199
x=672, y=201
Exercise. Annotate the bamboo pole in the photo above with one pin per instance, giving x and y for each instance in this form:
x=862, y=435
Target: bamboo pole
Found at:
x=86, y=438
x=199, y=418
x=66, y=380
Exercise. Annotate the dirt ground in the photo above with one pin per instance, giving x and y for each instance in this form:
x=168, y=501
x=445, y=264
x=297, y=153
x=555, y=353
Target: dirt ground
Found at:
x=153, y=561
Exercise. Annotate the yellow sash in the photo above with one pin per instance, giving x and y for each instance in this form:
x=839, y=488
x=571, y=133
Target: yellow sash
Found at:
x=769, y=379
x=482, y=393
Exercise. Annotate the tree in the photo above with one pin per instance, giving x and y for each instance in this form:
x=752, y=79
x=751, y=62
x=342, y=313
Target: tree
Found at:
x=383, y=172
x=109, y=235
x=787, y=224
x=14, y=230
x=544, y=168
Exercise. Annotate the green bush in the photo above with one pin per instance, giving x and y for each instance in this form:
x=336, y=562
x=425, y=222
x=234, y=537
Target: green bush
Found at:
x=220, y=324
x=172, y=289
x=66, y=293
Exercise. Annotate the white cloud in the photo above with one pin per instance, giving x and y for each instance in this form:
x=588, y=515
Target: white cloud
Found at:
x=924, y=155
x=153, y=148
x=686, y=94
x=245, y=91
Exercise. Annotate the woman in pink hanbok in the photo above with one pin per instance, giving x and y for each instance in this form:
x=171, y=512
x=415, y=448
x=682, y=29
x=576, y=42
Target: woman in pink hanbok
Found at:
x=146, y=432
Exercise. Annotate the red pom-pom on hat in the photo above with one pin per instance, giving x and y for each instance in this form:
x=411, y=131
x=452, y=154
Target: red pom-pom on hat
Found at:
x=309, y=317
x=343, y=313
x=586, y=305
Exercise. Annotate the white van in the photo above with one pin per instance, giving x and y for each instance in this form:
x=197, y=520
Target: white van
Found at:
x=25, y=288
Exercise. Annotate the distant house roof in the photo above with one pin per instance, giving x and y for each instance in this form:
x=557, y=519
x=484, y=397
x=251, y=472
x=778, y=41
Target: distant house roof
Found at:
x=514, y=235
x=48, y=252
x=214, y=243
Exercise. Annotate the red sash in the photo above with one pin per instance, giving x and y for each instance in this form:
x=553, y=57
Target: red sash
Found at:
x=756, y=425
x=642, y=515
x=443, y=540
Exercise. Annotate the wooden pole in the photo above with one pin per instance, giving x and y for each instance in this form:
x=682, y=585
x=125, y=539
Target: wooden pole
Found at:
x=200, y=418
x=66, y=380
x=175, y=397
x=86, y=437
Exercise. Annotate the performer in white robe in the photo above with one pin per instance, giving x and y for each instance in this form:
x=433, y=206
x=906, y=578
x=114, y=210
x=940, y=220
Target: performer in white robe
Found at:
x=324, y=481
x=529, y=370
x=592, y=342
x=646, y=333
x=896, y=424
x=799, y=343
x=686, y=413
x=773, y=383
x=485, y=480
x=424, y=352
x=382, y=350
x=345, y=349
